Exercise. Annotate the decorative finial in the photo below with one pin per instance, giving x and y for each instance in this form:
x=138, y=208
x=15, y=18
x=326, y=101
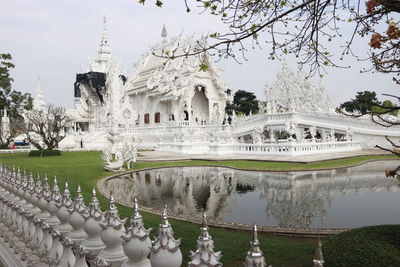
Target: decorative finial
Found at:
x=78, y=190
x=55, y=185
x=93, y=209
x=136, y=214
x=255, y=256
x=204, y=254
x=111, y=198
x=319, y=258
x=205, y=236
x=164, y=32
x=164, y=216
x=165, y=247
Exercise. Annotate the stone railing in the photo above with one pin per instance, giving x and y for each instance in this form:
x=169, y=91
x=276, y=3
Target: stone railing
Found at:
x=40, y=226
x=278, y=149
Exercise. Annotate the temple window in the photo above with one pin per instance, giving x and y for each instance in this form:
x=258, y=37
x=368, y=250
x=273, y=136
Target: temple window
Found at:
x=157, y=117
x=146, y=118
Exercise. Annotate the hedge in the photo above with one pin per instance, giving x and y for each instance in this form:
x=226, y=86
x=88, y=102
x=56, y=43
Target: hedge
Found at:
x=44, y=153
x=367, y=246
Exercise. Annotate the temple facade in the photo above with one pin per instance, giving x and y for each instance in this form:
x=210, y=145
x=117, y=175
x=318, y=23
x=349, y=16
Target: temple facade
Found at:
x=171, y=105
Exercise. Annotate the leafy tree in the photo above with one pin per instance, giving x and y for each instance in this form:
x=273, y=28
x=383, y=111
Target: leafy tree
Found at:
x=243, y=102
x=45, y=128
x=12, y=100
x=363, y=102
x=386, y=107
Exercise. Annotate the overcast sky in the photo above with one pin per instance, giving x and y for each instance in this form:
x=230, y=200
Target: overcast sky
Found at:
x=54, y=38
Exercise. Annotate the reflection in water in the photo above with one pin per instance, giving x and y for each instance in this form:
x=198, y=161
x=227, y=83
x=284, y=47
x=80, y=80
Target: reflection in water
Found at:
x=336, y=198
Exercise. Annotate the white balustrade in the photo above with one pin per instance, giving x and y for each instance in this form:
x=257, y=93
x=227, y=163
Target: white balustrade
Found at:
x=113, y=229
x=37, y=243
x=63, y=211
x=76, y=219
x=165, y=251
x=137, y=244
x=93, y=217
x=52, y=201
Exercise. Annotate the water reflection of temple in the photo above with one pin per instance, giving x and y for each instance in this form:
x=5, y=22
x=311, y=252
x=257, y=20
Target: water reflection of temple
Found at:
x=292, y=199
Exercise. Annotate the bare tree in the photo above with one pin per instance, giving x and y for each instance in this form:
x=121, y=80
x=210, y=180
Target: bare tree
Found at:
x=46, y=128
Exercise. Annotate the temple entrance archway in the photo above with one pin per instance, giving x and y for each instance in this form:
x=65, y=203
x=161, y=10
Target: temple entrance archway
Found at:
x=200, y=106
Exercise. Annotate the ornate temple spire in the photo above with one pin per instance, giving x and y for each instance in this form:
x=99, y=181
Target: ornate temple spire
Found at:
x=105, y=49
x=38, y=100
x=319, y=258
x=255, y=256
x=164, y=32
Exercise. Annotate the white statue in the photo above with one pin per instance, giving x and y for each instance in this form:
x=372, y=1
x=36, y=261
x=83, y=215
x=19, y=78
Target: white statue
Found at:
x=116, y=155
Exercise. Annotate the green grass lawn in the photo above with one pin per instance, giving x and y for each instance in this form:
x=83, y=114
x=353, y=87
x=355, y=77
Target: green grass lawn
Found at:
x=86, y=168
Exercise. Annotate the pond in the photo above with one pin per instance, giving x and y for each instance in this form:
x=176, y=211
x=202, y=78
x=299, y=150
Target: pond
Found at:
x=341, y=198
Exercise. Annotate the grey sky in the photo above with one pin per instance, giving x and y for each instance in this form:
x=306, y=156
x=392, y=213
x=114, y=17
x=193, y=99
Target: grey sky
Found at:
x=54, y=38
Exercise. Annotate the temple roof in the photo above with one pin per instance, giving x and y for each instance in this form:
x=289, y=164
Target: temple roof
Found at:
x=169, y=78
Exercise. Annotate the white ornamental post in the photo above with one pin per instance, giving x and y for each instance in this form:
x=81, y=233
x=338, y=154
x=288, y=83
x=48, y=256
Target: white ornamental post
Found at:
x=319, y=258
x=43, y=196
x=47, y=241
x=76, y=219
x=30, y=230
x=165, y=250
x=38, y=234
x=68, y=258
x=53, y=200
x=255, y=257
x=137, y=244
x=204, y=256
x=113, y=229
x=63, y=211
x=93, y=217
x=80, y=254
x=56, y=250
x=35, y=192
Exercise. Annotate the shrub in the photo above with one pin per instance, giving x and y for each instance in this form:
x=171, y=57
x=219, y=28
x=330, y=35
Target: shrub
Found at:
x=367, y=246
x=44, y=153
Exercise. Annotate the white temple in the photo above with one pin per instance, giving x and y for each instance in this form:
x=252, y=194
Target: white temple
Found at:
x=171, y=105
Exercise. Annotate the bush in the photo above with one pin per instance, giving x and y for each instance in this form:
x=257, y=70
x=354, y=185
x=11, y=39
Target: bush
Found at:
x=367, y=246
x=44, y=153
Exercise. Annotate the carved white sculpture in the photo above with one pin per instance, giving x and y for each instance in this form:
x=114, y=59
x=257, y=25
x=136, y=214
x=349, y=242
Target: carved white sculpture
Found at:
x=137, y=244
x=113, y=229
x=115, y=155
x=205, y=256
x=53, y=200
x=93, y=218
x=165, y=251
x=63, y=211
x=76, y=219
